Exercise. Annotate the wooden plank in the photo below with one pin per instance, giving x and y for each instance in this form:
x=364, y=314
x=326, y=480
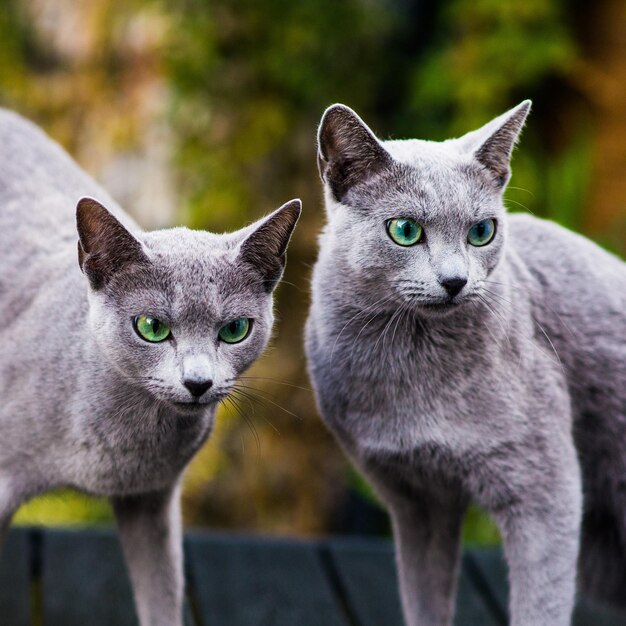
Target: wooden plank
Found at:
x=266, y=582
x=15, y=579
x=367, y=573
x=472, y=607
x=590, y=613
x=489, y=565
x=241, y=581
x=84, y=580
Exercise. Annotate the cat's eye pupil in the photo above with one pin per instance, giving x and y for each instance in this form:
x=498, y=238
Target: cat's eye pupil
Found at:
x=404, y=231
x=151, y=329
x=481, y=233
x=235, y=331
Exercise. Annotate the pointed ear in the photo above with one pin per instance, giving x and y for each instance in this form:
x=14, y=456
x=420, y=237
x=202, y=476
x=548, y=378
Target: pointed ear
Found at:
x=492, y=145
x=265, y=247
x=348, y=151
x=104, y=245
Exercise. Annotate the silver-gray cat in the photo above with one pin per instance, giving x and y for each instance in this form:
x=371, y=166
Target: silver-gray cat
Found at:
x=109, y=378
x=462, y=354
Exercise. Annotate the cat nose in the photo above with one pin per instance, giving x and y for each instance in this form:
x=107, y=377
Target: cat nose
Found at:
x=198, y=387
x=453, y=285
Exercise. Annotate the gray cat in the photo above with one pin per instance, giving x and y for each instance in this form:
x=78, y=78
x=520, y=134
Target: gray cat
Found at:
x=109, y=378
x=462, y=354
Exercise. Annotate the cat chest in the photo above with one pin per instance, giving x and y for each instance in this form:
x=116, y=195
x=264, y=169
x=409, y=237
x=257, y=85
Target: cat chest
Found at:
x=473, y=475
x=413, y=390
x=136, y=461
x=411, y=408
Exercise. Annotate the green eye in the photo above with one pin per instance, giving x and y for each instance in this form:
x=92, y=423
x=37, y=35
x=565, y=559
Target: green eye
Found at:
x=151, y=329
x=482, y=233
x=404, y=231
x=235, y=331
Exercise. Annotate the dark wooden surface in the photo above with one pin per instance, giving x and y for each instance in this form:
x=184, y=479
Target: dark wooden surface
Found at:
x=71, y=578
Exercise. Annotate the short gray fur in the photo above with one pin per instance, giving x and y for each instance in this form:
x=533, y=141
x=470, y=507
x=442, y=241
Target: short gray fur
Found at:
x=84, y=401
x=511, y=394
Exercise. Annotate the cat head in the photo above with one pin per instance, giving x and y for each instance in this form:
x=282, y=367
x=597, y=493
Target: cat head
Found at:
x=416, y=222
x=182, y=313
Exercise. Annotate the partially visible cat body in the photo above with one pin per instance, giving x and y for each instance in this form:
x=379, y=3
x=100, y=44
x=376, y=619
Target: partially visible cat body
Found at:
x=110, y=376
x=461, y=354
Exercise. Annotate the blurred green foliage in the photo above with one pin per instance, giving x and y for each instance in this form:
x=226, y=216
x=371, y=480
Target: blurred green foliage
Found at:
x=65, y=507
x=479, y=529
x=246, y=83
x=250, y=80
x=484, y=54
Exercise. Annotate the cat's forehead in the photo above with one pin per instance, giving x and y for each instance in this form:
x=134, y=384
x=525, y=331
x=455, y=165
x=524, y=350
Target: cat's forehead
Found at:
x=190, y=261
x=191, y=275
x=429, y=179
x=184, y=244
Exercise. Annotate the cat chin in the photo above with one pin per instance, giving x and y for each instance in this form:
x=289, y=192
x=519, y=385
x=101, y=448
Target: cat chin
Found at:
x=439, y=310
x=191, y=408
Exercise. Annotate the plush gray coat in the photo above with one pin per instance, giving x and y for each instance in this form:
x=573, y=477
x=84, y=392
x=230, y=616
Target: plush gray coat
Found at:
x=509, y=391
x=85, y=402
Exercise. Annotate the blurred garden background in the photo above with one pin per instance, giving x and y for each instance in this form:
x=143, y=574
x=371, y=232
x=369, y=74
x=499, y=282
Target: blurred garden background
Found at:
x=204, y=112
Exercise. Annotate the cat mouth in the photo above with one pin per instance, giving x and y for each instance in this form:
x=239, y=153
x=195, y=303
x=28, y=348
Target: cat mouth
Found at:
x=192, y=406
x=446, y=304
x=197, y=405
x=441, y=308
x=434, y=304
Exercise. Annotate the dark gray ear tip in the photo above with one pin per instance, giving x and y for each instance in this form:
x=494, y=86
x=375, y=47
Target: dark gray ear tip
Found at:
x=292, y=211
x=336, y=115
x=83, y=205
x=88, y=207
x=90, y=216
x=294, y=206
x=337, y=110
x=523, y=108
x=87, y=202
x=84, y=215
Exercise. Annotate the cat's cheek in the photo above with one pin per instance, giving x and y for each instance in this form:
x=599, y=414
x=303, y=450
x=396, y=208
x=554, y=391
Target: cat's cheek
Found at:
x=101, y=318
x=242, y=356
x=241, y=361
x=493, y=258
x=105, y=331
x=483, y=260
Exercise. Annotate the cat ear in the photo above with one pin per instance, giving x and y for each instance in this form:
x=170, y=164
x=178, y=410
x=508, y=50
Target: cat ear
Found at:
x=104, y=245
x=266, y=246
x=492, y=145
x=348, y=151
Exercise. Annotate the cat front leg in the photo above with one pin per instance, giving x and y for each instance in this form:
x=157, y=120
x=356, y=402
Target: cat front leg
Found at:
x=427, y=530
x=541, y=537
x=150, y=532
x=8, y=505
x=427, y=556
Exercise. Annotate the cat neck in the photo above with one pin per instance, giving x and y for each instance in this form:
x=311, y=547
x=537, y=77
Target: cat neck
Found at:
x=350, y=327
